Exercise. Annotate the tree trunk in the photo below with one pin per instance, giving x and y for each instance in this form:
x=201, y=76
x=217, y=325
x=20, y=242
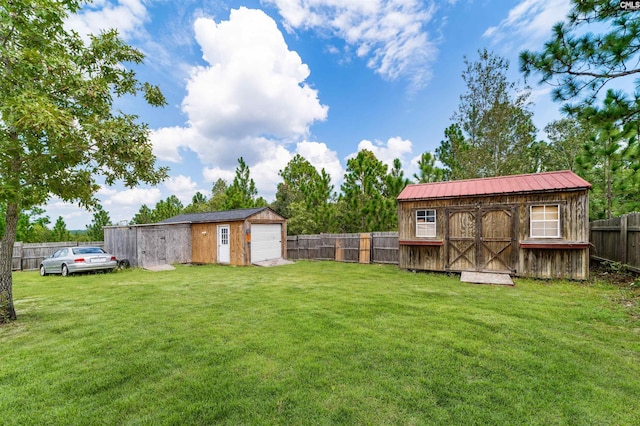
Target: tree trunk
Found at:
x=7, y=310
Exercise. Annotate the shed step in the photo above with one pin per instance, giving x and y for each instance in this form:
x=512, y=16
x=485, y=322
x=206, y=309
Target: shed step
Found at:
x=486, y=278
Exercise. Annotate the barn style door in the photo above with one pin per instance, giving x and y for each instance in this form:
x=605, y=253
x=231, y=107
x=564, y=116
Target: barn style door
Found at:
x=497, y=240
x=481, y=239
x=462, y=240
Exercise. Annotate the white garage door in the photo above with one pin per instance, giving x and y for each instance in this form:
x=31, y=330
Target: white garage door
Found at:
x=266, y=242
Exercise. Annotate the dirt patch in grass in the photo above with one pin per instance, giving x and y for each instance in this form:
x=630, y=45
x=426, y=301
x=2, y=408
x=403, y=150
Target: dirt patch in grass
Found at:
x=612, y=273
x=627, y=281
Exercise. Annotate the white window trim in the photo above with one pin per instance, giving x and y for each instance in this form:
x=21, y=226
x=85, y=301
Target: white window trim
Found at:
x=428, y=229
x=557, y=221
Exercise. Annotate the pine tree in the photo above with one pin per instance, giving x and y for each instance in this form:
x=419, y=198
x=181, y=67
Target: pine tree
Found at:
x=95, y=230
x=580, y=63
x=59, y=231
x=144, y=215
x=429, y=172
x=165, y=209
x=241, y=194
x=305, y=197
x=494, y=128
x=365, y=207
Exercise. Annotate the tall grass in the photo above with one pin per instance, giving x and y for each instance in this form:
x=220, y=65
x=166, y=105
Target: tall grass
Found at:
x=315, y=343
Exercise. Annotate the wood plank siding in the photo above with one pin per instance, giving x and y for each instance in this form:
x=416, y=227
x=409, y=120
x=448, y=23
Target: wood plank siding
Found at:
x=492, y=234
x=145, y=246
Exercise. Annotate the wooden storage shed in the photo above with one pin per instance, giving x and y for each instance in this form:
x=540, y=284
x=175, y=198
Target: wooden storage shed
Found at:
x=235, y=237
x=533, y=225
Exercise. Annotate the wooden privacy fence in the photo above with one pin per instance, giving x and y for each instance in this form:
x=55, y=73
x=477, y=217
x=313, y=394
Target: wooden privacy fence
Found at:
x=27, y=257
x=373, y=247
x=617, y=240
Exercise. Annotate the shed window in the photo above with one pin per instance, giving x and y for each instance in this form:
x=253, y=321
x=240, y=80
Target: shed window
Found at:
x=425, y=223
x=224, y=235
x=545, y=221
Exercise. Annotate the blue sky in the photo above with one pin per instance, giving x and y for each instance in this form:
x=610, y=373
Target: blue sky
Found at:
x=323, y=78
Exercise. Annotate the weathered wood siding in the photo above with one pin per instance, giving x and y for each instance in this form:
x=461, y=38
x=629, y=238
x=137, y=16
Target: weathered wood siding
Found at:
x=204, y=243
x=485, y=233
x=149, y=245
x=122, y=241
x=617, y=240
x=164, y=244
x=240, y=255
x=266, y=216
x=427, y=258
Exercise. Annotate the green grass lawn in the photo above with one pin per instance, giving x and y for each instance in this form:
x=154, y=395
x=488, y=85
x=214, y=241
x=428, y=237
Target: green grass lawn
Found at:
x=315, y=343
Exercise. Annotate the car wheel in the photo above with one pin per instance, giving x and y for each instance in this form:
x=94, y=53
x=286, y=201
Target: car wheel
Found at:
x=43, y=271
x=65, y=271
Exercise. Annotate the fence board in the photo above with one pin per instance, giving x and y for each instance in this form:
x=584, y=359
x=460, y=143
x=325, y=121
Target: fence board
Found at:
x=350, y=244
x=365, y=248
x=384, y=247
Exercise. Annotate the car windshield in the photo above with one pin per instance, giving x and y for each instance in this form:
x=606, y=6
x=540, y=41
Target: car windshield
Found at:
x=88, y=250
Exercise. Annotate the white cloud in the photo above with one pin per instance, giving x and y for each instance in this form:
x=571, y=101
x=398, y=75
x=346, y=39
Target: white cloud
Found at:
x=251, y=93
x=126, y=16
x=530, y=20
x=120, y=204
x=265, y=171
x=182, y=187
x=74, y=217
x=389, y=34
x=321, y=157
x=213, y=174
x=133, y=197
x=386, y=152
x=129, y=18
x=123, y=205
x=167, y=141
x=250, y=101
x=254, y=85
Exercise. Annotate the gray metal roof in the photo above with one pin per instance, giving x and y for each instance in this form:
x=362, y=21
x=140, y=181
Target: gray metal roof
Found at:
x=220, y=216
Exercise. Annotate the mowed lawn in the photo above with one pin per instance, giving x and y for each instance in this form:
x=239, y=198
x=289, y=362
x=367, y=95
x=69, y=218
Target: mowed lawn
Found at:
x=316, y=343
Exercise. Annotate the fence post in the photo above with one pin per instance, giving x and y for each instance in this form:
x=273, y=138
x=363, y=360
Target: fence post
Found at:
x=623, y=239
x=365, y=248
x=21, y=255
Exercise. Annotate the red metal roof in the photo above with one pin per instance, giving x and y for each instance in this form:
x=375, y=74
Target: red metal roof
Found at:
x=537, y=182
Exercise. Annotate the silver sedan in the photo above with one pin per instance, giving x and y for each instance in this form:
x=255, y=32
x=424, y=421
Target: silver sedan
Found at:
x=69, y=260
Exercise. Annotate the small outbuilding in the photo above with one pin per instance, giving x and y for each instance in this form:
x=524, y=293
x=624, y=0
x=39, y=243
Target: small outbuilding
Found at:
x=235, y=237
x=533, y=225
